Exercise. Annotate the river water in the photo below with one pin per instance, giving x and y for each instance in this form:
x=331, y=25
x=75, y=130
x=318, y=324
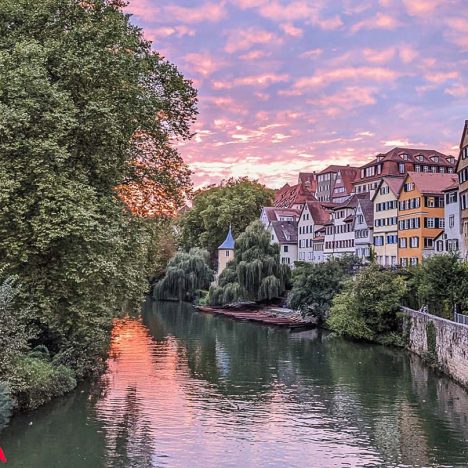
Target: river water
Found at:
x=184, y=389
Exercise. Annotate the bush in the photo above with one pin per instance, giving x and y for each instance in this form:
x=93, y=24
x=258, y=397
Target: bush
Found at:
x=35, y=381
x=315, y=285
x=367, y=307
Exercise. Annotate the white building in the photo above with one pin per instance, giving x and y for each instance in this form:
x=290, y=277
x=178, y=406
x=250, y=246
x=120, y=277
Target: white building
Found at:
x=284, y=233
x=451, y=239
x=339, y=234
x=271, y=213
x=363, y=226
x=313, y=218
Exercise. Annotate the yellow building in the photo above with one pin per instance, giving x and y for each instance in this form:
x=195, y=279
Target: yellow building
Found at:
x=385, y=234
x=420, y=214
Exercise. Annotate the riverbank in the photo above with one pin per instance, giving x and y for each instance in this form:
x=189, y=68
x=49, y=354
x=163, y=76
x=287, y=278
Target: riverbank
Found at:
x=440, y=342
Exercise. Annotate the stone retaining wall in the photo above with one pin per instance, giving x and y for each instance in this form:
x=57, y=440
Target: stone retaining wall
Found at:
x=445, y=343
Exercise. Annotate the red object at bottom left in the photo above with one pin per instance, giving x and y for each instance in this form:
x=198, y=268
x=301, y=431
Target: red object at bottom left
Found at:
x=2, y=456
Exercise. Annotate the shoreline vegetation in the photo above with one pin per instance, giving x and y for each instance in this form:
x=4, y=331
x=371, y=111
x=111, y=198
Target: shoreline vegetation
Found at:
x=89, y=176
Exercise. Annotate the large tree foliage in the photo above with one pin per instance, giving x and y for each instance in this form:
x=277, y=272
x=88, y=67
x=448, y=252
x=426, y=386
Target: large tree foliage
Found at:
x=316, y=284
x=186, y=275
x=368, y=305
x=255, y=273
x=87, y=111
x=236, y=202
x=441, y=284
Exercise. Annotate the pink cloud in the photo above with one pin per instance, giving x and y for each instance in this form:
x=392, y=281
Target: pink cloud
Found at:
x=380, y=21
x=254, y=55
x=407, y=54
x=313, y=53
x=379, y=56
x=261, y=80
x=244, y=39
x=422, y=7
x=207, y=12
x=456, y=31
x=347, y=98
x=203, y=63
x=377, y=74
x=458, y=90
x=291, y=30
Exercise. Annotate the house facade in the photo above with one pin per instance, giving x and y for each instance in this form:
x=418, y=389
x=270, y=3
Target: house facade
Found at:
x=313, y=217
x=421, y=216
x=271, y=213
x=284, y=233
x=462, y=172
x=363, y=228
x=226, y=251
x=332, y=182
x=339, y=234
x=385, y=235
x=400, y=161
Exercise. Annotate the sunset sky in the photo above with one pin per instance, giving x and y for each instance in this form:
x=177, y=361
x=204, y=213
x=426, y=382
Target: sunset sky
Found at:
x=289, y=86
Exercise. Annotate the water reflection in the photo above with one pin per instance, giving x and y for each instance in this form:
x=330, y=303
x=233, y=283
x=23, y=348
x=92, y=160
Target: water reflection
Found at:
x=187, y=389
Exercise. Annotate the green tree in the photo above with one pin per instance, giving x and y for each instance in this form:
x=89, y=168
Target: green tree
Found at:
x=236, y=202
x=87, y=112
x=442, y=284
x=255, y=273
x=368, y=305
x=186, y=275
x=316, y=284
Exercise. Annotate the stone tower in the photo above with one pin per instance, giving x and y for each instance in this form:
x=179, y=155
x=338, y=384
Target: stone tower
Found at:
x=225, y=252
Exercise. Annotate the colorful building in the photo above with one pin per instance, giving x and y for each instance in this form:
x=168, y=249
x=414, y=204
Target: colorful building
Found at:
x=335, y=182
x=363, y=227
x=462, y=172
x=421, y=216
x=313, y=217
x=398, y=162
x=385, y=235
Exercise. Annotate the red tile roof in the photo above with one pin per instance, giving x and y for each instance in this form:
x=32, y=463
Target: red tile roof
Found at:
x=286, y=231
x=319, y=214
x=431, y=183
x=273, y=213
x=288, y=196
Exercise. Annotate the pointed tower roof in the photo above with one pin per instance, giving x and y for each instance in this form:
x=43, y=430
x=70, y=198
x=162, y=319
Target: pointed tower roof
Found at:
x=229, y=242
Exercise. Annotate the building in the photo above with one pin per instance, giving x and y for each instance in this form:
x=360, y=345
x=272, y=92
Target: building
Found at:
x=271, y=213
x=398, y=162
x=326, y=182
x=284, y=233
x=342, y=186
x=226, y=251
x=313, y=217
x=385, y=203
x=363, y=228
x=318, y=245
x=450, y=239
x=339, y=234
x=294, y=196
x=462, y=172
x=421, y=217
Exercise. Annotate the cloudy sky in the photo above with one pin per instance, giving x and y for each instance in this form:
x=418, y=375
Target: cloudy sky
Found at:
x=289, y=86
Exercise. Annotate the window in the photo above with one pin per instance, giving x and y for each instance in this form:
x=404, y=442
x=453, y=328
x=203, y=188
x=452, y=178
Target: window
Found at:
x=430, y=202
x=286, y=248
x=404, y=156
x=428, y=242
x=227, y=253
x=451, y=221
x=403, y=242
x=414, y=242
x=401, y=168
x=430, y=222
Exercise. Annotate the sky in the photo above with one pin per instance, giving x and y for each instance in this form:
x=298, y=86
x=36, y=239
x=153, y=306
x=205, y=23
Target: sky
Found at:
x=289, y=86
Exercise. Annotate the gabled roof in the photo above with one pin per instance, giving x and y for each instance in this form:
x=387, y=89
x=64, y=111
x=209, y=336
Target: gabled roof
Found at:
x=319, y=214
x=352, y=201
x=454, y=186
x=336, y=168
x=274, y=213
x=309, y=179
x=229, y=242
x=348, y=176
x=287, y=197
x=286, y=231
x=430, y=182
x=367, y=208
x=393, y=182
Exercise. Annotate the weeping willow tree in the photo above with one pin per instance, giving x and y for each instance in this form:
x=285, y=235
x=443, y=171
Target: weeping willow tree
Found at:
x=186, y=275
x=255, y=274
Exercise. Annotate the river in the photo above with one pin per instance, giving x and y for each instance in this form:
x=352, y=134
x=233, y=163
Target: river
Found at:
x=184, y=389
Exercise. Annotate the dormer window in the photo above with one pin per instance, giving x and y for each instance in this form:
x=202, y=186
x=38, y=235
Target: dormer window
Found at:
x=379, y=158
x=419, y=157
x=435, y=158
x=404, y=156
x=451, y=159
